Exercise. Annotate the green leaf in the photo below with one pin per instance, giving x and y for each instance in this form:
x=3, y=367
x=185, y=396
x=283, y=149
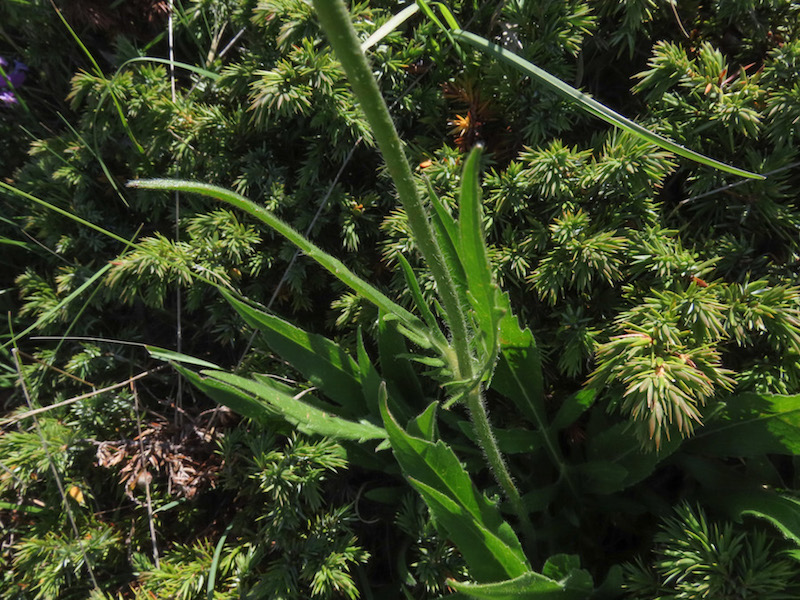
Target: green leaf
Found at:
x=65, y=213
x=164, y=61
x=333, y=265
x=424, y=426
x=780, y=510
x=486, y=554
x=618, y=445
x=481, y=289
x=486, y=541
x=396, y=370
x=446, y=232
x=51, y=313
x=519, y=372
x=530, y=585
x=370, y=378
x=306, y=417
x=510, y=441
x=592, y=106
x=518, y=376
x=566, y=569
x=750, y=425
x=428, y=11
x=419, y=300
x=171, y=356
x=601, y=476
x=389, y=26
x=573, y=407
x=238, y=401
x=320, y=360
x=611, y=588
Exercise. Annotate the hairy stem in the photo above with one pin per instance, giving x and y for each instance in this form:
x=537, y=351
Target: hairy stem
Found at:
x=335, y=20
x=483, y=431
x=342, y=37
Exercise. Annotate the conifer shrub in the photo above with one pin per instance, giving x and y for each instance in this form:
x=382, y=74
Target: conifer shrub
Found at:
x=660, y=294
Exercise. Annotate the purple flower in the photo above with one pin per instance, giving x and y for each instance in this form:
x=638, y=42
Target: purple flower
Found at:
x=12, y=79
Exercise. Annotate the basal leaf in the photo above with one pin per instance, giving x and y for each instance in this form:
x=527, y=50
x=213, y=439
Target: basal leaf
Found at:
x=572, y=408
x=750, y=425
x=466, y=514
x=303, y=415
x=618, y=445
x=780, y=510
x=487, y=556
x=320, y=360
x=529, y=586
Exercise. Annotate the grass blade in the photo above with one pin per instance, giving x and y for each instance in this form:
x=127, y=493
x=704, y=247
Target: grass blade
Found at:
x=592, y=106
x=389, y=26
x=53, y=311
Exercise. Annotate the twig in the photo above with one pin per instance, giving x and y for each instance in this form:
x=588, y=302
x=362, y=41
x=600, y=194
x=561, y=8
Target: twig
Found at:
x=56, y=369
x=674, y=7
x=37, y=411
x=143, y=463
x=52, y=465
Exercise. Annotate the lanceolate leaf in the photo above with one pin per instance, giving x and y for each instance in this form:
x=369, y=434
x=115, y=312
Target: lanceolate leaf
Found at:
x=320, y=360
x=333, y=265
x=482, y=291
x=615, y=448
x=475, y=525
x=419, y=300
x=573, y=407
x=782, y=511
x=531, y=585
x=239, y=402
x=396, y=370
x=592, y=106
x=446, y=232
x=751, y=425
x=303, y=415
x=485, y=553
x=518, y=376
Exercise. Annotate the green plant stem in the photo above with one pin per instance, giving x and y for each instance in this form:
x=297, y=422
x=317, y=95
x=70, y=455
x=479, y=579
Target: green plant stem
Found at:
x=336, y=22
x=483, y=432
